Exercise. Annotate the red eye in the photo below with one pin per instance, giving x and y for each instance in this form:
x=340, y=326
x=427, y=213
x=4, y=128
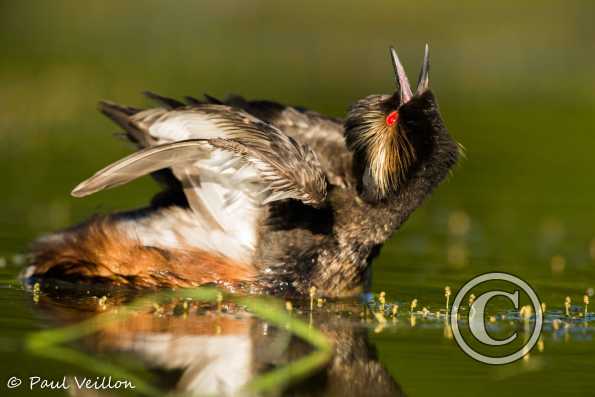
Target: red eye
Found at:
x=392, y=117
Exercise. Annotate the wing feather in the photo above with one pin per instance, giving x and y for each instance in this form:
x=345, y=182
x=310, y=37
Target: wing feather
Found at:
x=141, y=163
x=305, y=183
x=226, y=162
x=323, y=134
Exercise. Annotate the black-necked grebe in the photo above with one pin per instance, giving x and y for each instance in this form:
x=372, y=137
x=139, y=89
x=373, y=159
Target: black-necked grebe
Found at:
x=259, y=193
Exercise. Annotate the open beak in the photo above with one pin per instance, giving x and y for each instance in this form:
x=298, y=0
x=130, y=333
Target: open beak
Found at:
x=403, y=87
x=423, y=83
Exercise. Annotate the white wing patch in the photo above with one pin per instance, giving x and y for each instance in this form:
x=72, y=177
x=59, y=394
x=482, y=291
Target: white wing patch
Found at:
x=177, y=125
x=181, y=228
x=225, y=185
x=230, y=165
x=229, y=193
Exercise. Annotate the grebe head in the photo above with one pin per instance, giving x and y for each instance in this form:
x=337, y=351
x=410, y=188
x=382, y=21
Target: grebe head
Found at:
x=392, y=136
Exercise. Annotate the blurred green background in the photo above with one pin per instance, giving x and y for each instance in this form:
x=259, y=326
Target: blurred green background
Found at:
x=514, y=80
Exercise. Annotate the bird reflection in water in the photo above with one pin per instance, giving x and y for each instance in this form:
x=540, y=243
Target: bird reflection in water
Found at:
x=204, y=349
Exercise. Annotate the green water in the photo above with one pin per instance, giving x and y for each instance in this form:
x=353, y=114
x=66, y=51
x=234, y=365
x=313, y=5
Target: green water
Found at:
x=515, y=84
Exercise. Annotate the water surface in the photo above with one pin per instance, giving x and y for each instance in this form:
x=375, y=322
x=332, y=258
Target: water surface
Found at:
x=515, y=86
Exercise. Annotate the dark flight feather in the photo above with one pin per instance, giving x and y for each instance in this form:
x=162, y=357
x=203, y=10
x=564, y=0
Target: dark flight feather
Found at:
x=169, y=103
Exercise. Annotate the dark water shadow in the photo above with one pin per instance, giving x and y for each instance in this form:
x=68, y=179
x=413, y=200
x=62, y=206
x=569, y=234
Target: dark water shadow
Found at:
x=197, y=348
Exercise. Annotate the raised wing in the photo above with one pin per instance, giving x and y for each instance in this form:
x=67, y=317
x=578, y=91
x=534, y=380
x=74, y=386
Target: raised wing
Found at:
x=324, y=135
x=228, y=162
x=272, y=175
